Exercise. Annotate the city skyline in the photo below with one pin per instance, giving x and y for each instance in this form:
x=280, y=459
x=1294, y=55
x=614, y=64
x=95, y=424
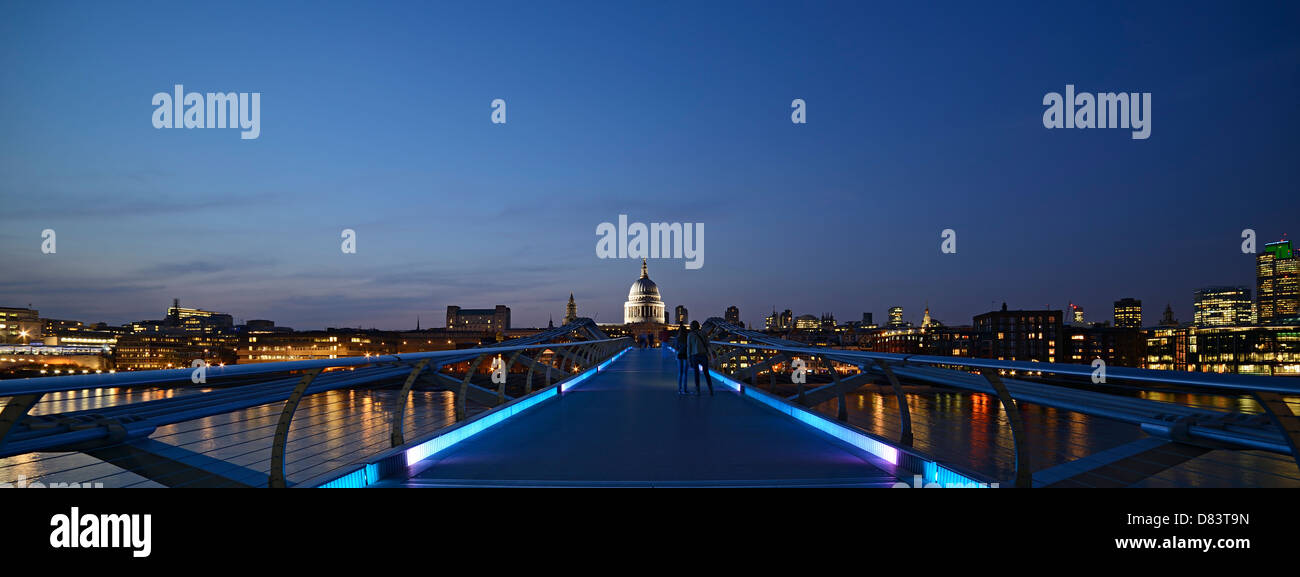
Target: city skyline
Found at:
x=388, y=133
x=1150, y=312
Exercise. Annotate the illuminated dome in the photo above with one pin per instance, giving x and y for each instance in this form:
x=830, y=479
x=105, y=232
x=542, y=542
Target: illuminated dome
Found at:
x=644, y=304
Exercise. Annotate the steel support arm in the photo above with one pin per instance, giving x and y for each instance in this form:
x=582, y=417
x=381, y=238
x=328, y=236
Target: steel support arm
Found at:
x=277, y=478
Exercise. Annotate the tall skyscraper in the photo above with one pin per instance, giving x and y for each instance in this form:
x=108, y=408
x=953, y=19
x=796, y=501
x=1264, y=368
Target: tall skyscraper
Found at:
x=683, y=315
x=732, y=315
x=1277, y=283
x=1128, y=313
x=1223, y=306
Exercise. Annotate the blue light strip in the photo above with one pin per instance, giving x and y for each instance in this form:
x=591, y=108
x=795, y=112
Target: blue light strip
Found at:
x=816, y=421
x=433, y=446
x=575, y=381
x=937, y=473
x=369, y=473
x=353, y=480
x=933, y=471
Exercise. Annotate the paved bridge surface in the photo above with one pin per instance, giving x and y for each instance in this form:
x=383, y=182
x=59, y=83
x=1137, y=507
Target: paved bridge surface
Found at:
x=627, y=426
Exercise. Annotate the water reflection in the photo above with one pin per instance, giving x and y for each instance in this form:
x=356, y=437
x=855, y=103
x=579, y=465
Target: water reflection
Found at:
x=329, y=430
x=971, y=431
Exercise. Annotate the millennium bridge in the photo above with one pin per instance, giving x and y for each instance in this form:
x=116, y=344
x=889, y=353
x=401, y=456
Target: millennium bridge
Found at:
x=571, y=406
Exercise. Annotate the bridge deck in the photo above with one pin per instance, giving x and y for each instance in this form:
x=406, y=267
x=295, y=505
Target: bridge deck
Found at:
x=628, y=427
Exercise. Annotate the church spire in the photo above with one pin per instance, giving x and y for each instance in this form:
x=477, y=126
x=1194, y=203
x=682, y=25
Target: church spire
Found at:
x=570, y=311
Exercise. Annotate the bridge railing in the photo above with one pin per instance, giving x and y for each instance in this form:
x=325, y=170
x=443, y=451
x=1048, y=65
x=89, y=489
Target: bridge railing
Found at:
x=1189, y=429
x=106, y=417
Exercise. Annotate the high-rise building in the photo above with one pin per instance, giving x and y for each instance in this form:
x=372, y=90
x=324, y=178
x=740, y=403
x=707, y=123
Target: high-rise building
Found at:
x=896, y=319
x=732, y=315
x=1277, y=283
x=787, y=320
x=1222, y=306
x=492, y=320
x=570, y=310
x=1077, y=313
x=866, y=320
x=1128, y=313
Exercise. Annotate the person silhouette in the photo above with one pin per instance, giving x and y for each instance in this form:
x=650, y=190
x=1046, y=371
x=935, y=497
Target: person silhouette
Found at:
x=699, y=356
x=683, y=345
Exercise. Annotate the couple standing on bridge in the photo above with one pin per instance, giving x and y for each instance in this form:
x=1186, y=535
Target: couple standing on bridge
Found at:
x=692, y=347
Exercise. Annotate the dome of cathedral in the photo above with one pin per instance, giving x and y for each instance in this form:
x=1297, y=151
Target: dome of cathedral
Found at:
x=644, y=303
x=643, y=289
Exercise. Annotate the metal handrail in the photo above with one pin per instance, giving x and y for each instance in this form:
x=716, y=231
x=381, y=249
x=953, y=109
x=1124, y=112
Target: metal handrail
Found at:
x=134, y=378
x=122, y=425
x=1223, y=381
x=1158, y=420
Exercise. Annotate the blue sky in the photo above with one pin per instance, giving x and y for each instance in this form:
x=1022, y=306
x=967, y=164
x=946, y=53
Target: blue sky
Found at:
x=376, y=117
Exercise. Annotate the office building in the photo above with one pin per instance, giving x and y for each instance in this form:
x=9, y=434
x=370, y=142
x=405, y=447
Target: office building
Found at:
x=1277, y=284
x=1128, y=313
x=1223, y=306
x=20, y=326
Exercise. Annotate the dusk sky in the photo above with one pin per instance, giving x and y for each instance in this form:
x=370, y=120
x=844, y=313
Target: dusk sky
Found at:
x=376, y=117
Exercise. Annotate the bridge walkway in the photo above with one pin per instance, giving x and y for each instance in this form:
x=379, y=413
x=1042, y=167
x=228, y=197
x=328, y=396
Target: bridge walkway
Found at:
x=628, y=427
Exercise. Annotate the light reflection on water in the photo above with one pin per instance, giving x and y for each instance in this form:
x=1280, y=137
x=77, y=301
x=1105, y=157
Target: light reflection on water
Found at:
x=971, y=431
x=329, y=430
